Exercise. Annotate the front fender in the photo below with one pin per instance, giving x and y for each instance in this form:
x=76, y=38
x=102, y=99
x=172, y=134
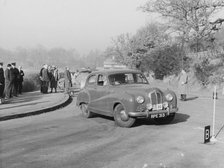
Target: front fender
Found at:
x=127, y=101
x=174, y=101
x=83, y=97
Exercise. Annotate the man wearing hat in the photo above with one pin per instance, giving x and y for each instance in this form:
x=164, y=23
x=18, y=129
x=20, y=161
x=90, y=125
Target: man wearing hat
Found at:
x=2, y=80
x=15, y=76
x=8, y=81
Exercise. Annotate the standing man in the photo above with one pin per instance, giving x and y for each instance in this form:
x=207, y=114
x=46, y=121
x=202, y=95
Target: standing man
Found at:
x=15, y=76
x=2, y=80
x=41, y=78
x=45, y=79
x=68, y=80
x=54, y=79
x=51, y=77
x=8, y=81
x=20, y=80
x=183, y=82
x=56, y=76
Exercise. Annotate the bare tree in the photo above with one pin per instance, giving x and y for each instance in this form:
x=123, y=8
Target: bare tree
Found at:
x=191, y=19
x=131, y=50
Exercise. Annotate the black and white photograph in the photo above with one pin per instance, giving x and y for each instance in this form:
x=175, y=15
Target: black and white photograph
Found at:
x=111, y=83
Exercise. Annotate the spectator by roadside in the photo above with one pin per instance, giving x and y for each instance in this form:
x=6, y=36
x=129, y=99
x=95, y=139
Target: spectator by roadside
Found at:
x=20, y=80
x=41, y=78
x=45, y=79
x=183, y=83
x=53, y=73
x=68, y=80
x=15, y=76
x=8, y=81
x=56, y=77
x=2, y=80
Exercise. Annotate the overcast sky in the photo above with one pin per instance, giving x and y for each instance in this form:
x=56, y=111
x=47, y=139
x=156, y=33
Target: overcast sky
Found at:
x=81, y=24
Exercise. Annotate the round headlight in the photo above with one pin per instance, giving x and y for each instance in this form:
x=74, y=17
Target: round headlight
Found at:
x=140, y=99
x=165, y=104
x=169, y=97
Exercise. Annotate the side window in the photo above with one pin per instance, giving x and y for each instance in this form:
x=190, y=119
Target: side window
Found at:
x=129, y=78
x=102, y=80
x=140, y=78
x=92, y=80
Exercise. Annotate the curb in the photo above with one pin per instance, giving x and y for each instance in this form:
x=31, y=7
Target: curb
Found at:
x=65, y=102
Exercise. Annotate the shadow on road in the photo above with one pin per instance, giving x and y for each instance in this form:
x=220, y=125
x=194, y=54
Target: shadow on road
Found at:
x=179, y=117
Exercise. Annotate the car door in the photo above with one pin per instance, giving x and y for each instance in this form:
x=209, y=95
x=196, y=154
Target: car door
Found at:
x=103, y=94
x=91, y=90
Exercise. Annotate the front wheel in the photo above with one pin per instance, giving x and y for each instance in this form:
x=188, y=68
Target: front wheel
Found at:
x=85, y=112
x=121, y=117
x=165, y=120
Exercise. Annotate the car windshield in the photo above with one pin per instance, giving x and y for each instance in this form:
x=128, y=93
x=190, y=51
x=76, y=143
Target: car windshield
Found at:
x=127, y=78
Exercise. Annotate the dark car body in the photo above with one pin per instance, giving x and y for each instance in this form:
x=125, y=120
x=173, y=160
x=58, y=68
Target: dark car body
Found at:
x=125, y=95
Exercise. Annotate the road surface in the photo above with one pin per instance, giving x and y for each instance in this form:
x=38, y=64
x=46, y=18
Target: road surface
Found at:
x=64, y=139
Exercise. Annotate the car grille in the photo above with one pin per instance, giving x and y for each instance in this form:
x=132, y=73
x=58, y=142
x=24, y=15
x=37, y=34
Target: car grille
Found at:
x=156, y=97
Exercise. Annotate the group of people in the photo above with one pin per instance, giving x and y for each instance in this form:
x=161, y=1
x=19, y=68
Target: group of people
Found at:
x=49, y=77
x=11, y=81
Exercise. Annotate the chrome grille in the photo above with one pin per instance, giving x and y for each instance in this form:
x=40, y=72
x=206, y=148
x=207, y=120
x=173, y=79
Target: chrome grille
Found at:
x=156, y=97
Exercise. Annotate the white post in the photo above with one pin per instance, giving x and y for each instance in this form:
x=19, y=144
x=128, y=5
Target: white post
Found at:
x=213, y=118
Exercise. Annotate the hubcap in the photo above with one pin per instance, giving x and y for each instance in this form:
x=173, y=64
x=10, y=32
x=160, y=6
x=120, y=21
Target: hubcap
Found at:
x=124, y=116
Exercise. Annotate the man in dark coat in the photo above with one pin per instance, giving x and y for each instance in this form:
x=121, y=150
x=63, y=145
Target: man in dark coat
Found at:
x=53, y=74
x=45, y=79
x=8, y=81
x=2, y=80
x=15, y=76
x=68, y=80
x=41, y=79
x=20, y=80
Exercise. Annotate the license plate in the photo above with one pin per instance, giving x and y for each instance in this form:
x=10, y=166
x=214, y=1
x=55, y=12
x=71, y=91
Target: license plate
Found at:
x=158, y=107
x=161, y=115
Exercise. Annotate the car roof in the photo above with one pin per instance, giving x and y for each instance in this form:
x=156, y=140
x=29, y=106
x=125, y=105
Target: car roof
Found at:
x=114, y=71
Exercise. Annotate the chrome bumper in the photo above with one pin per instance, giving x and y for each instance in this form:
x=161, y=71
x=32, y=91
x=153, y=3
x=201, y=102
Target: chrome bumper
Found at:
x=147, y=113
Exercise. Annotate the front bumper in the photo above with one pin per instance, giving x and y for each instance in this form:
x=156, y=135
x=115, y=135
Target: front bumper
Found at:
x=147, y=113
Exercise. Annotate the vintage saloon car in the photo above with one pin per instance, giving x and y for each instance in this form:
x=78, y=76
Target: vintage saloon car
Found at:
x=125, y=95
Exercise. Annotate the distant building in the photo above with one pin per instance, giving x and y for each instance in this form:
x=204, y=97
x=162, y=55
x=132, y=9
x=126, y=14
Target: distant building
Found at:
x=111, y=63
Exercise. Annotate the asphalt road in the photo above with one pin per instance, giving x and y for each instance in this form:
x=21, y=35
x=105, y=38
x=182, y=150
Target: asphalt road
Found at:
x=64, y=139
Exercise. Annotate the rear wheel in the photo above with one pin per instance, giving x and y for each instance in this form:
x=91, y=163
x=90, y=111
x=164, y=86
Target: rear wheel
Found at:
x=165, y=120
x=121, y=117
x=85, y=112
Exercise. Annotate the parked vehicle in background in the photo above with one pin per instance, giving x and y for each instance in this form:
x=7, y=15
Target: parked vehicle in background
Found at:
x=78, y=79
x=125, y=95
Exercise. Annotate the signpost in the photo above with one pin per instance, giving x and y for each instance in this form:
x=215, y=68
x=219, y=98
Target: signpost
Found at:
x=207, y=134
x=215, y=96
x=207, y=137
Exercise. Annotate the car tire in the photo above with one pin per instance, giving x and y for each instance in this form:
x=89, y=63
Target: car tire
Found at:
x=120, y=120
x=165, y=120
x=85, y=112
